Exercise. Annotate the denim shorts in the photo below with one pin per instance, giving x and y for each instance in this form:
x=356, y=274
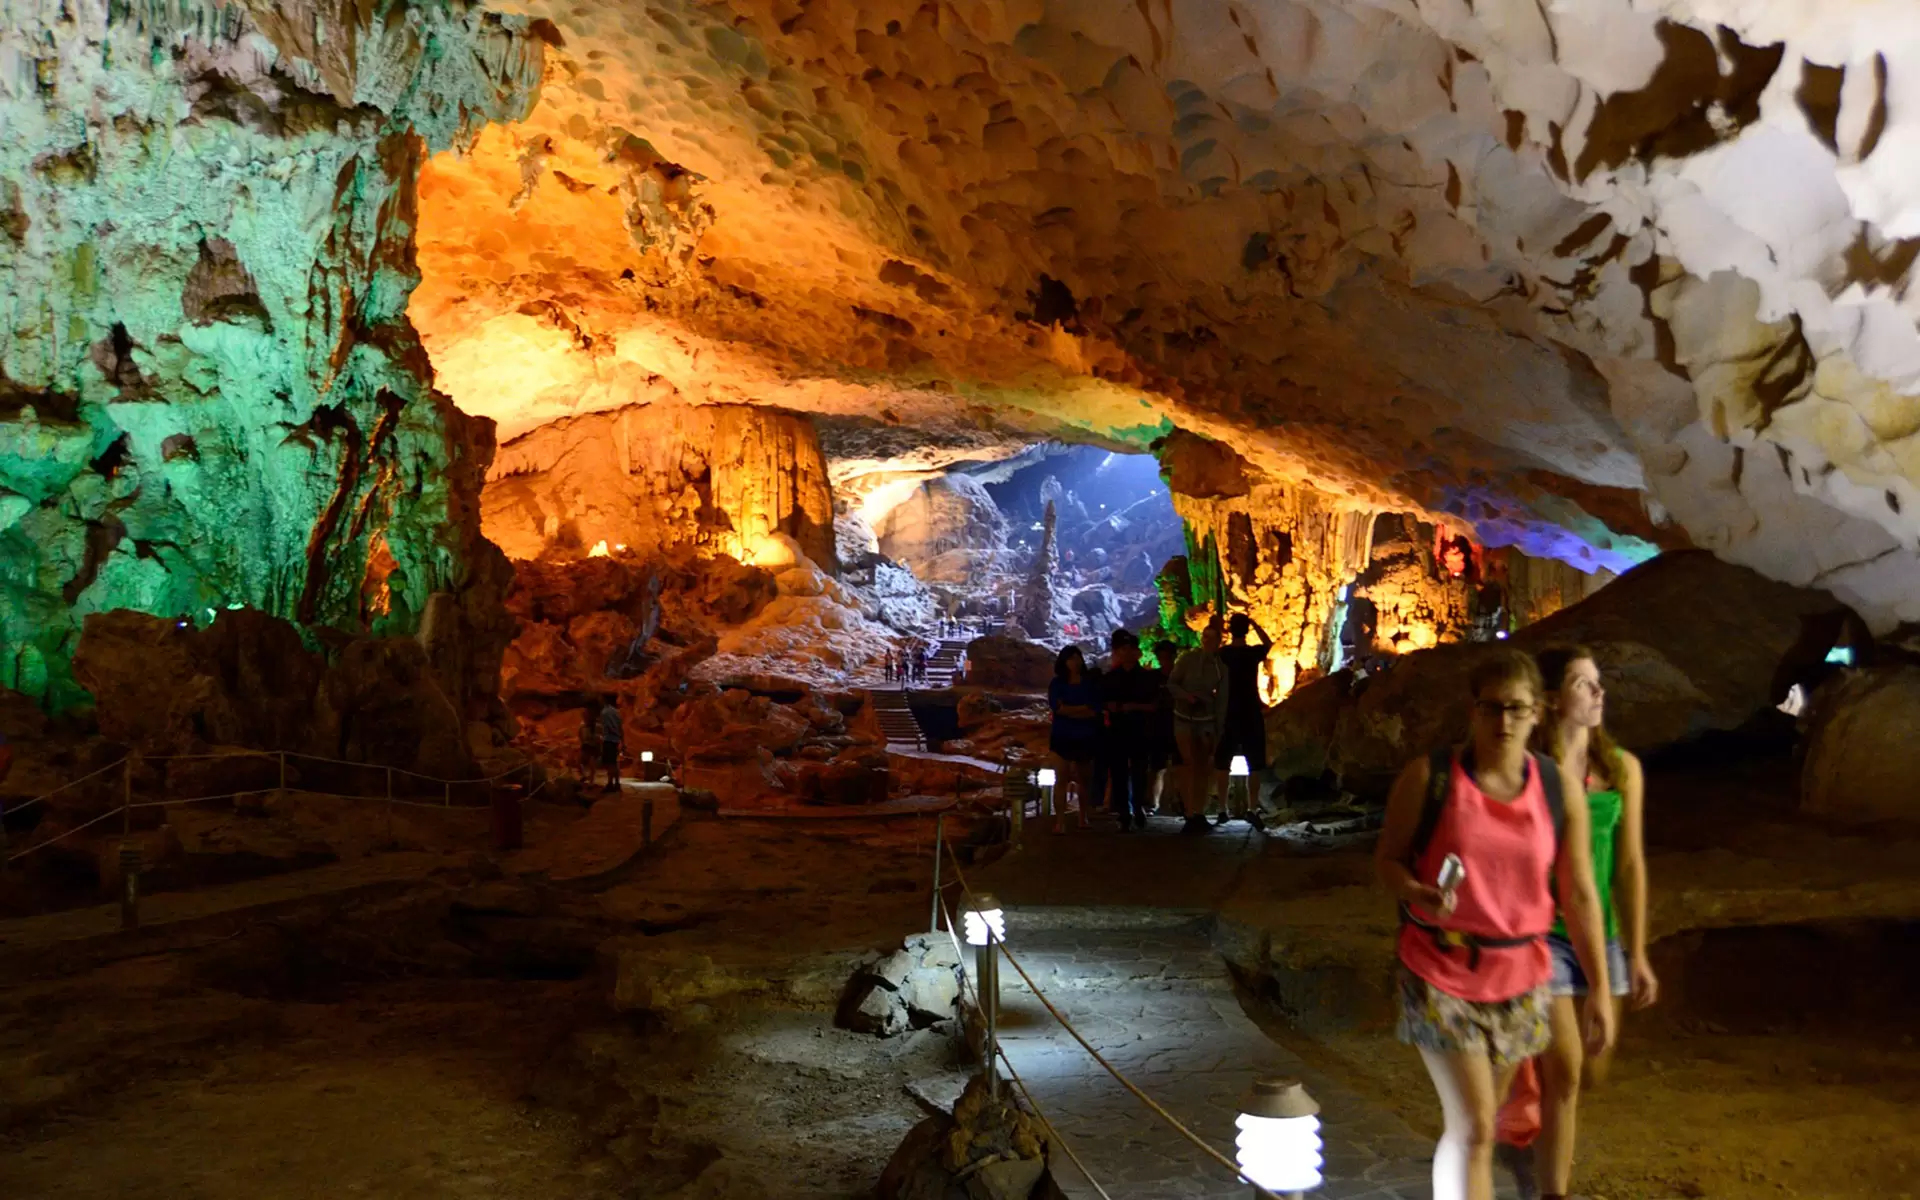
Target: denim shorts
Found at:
x=1570, y=980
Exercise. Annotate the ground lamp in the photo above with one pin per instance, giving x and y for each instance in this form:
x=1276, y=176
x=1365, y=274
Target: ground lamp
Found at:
x=1239, y=784
x=1046, y=779
x=1279, y=1144
x=986, y=928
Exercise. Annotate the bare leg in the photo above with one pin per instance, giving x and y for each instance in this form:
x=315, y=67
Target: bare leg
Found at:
x=1559, y=1099
x=1470, y=1091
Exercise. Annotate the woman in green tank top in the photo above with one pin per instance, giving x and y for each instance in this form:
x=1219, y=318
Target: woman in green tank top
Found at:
x=1574, y=732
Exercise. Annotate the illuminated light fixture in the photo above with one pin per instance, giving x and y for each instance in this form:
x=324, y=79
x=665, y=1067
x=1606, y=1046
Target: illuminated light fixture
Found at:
x=212, y=615
x=646, y=756
x=621, y=546
x=985, y=922
x=1279, y=1146
x=1238, y=767
x=1046, y=777
x=599, y=549
x=1840, y=656
x=1502, y=635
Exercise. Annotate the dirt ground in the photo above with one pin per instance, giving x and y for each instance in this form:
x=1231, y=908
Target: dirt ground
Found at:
x=384, y=1047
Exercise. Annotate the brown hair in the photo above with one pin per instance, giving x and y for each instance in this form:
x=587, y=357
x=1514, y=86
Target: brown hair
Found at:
x=1507, y=666
x=1603, y=753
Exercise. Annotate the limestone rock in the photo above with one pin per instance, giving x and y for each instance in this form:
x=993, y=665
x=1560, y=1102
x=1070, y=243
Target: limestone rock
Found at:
x=663, y=477
x=948, y=530
x=1004, y=662
x=247, y=681
x=1685, y=644
x=1862, y=761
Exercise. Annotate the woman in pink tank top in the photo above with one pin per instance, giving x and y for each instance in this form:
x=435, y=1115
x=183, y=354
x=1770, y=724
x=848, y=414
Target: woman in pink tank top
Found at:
x=1473, y=958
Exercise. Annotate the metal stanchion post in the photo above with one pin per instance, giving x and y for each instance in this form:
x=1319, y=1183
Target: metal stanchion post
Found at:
x=987, y=965
x=283, y=770
x=446, y=793
x=939, y=836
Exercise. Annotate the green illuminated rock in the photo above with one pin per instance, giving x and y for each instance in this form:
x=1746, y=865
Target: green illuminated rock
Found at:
x=210, y=396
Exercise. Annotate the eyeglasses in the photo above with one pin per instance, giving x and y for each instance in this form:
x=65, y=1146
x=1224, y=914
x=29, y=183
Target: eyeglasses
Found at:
x=1493, y=710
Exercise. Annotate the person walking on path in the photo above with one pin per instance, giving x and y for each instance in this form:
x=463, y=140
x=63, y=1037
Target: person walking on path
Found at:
x=1472, y=838
x=886, y=666
x=1132, y=699
x=1541, y=1109
x=1166, y=747
x=1198, y=686
x=590, y=742
x=1243, y=727
x=1074, y=699
x=612, y=735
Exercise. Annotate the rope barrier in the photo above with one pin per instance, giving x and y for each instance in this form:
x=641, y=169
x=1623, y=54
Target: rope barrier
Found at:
x=1000, y=1052
x=70, y=783
x=1204, y=1146
x=127, y=807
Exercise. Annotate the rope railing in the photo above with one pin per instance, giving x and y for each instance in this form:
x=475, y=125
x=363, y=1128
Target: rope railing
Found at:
x=127, y=805
x=1053, y=1131
x=1153, y=1106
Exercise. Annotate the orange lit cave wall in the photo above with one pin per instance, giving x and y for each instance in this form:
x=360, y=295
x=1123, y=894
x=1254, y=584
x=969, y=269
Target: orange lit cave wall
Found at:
x=1420, y=584
x=670, y=477
x=1284, y=554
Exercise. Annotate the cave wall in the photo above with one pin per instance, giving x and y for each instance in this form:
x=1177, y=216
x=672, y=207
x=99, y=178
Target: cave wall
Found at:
x=210, y=393
x=711, y=479
x=947, y=530
x=1284, y=555
x=1422, y=592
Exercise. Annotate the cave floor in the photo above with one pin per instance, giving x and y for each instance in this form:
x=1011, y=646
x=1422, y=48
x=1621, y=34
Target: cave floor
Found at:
x=376, y=1041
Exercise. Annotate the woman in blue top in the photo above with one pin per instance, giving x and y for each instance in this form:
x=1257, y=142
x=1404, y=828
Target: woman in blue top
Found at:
x=1074, y=698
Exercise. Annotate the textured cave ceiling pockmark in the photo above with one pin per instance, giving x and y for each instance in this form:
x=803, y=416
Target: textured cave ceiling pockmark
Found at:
x=1582, y=276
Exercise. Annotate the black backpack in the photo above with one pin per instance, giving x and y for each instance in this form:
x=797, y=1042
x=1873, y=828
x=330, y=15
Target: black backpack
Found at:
x=1439, y=776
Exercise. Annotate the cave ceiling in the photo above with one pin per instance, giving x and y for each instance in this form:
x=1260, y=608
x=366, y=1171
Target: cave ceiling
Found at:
x=1587, y=276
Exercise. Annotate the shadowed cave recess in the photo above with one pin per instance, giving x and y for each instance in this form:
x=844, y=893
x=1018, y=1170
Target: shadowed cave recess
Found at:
x=384, y=382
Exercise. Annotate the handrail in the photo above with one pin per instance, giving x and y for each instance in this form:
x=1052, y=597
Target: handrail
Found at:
x=127, y=805
x=1152, y=1105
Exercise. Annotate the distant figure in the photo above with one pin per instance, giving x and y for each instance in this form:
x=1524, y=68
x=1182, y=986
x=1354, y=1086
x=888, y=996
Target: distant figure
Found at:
x=612, y=734
x=1199, y=688
x=1166, y=747
x=1243, y=732
x=1074, y=699
x=966, y=667
x=590, y=742
x=886, y=665
x=1132, y=696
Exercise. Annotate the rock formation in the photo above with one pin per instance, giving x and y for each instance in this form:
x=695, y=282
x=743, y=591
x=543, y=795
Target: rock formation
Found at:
x=1686, y=644
x=947, y=531
x=1038, y=603
x=663, y=477
x=210, y=393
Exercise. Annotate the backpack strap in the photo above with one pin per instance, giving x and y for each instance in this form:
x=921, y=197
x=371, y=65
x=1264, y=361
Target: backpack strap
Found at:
x=1556, y=797
x=1439, y=775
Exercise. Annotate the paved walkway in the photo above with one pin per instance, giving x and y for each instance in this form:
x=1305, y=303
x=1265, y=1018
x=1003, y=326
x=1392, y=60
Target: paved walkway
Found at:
x=1148, y=991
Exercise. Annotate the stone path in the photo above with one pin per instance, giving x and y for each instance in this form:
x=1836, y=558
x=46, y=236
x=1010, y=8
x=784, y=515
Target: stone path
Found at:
x=1148, y=991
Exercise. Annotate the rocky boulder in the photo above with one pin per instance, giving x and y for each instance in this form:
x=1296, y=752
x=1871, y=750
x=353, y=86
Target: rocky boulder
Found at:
x=1862, y=760
x=913, y=987
x=247, y=680
x=1099, y=606
x=1686, y=644
x=989, y=1149
x=945, y=530
x=1004, y=662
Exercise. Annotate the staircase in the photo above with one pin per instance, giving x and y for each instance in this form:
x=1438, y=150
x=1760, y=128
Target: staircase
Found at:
x=896, y=720
x=943, y=668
